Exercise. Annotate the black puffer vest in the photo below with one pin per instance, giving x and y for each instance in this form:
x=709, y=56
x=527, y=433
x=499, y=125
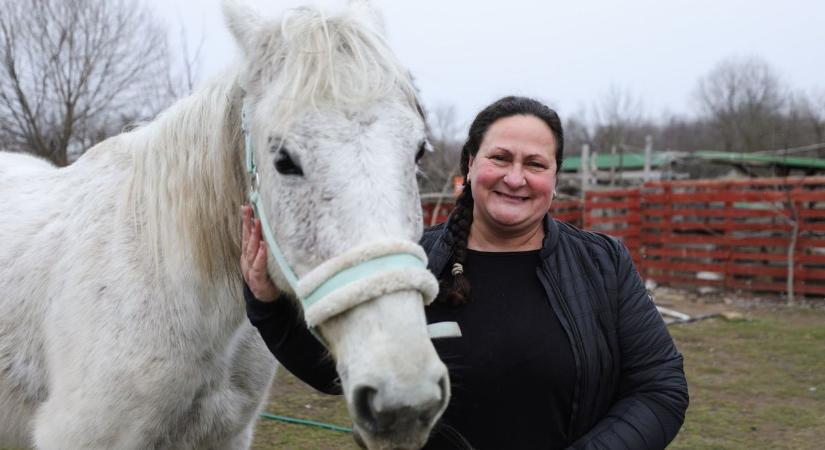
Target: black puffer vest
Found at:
x=631, y=390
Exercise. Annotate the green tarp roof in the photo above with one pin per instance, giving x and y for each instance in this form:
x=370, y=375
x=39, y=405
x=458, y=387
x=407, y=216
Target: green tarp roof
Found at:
x=761, y=159
x=628, y=161
x=636, y=161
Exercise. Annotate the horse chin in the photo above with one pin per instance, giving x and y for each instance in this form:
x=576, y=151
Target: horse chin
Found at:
x=373, y=442
x=395, y=385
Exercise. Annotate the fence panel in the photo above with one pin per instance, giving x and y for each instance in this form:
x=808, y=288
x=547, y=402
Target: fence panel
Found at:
x=616, y=212
x=441, y=210
x=568, y=210
x=743, y=234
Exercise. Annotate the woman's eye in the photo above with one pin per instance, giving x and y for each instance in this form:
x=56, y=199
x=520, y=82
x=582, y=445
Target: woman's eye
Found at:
x=285, y=165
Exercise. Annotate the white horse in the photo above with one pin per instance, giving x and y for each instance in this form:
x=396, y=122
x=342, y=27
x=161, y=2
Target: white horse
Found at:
x=121, y=319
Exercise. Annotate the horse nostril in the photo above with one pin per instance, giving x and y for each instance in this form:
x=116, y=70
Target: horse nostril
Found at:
x=370, y=415
x=365, y=414
x=376, y=417
x=443, y=384
x=429, y=412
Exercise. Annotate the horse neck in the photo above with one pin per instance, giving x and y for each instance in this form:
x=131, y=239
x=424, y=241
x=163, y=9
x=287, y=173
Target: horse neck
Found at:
x=188, y=183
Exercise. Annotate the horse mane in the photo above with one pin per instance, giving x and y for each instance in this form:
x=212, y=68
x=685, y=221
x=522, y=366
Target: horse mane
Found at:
x=188, y=182
x=188, y=178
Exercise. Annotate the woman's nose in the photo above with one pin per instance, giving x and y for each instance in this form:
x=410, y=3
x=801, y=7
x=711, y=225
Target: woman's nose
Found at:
x=515, y=177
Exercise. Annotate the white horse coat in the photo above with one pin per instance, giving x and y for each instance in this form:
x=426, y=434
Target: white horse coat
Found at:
x=121, y=317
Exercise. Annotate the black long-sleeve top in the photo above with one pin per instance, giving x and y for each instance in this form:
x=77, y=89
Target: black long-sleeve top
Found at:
x=283, y=330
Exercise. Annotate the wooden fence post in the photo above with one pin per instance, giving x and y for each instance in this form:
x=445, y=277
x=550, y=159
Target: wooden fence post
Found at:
x=585, y=169
x=728, y=224
x=648, y=156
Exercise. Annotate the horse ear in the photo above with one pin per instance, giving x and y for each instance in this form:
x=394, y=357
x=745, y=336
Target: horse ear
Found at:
x=243, y=22
x=369, y=11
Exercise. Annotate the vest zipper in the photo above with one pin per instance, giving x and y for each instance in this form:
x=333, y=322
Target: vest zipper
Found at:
x=551, y=284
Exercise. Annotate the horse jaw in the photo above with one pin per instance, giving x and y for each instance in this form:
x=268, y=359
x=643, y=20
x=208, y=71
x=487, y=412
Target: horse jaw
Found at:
x=395, y=385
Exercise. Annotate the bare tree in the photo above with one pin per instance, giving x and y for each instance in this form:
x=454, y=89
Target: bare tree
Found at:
x=617, y=115
x=576, y=134
x=75, y=71
x=439, y=166
x=685, y=134
x=744, y=99
x=806, y=117
x=181, y=78
x=620, y=125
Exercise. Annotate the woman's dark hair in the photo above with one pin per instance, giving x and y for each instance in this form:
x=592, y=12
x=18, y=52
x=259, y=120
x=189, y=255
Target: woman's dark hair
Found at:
x=455, y=289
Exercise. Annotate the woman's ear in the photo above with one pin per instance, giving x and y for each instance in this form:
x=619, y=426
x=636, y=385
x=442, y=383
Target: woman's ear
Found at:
x=470, y=161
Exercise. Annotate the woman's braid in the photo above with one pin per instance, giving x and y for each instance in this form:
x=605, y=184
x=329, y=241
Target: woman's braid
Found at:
x=455, y=289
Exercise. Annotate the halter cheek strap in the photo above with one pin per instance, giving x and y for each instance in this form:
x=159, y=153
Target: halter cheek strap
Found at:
x=258, y=208
x=358, y=275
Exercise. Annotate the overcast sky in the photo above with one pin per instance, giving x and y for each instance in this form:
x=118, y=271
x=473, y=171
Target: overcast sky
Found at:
x=468, y=53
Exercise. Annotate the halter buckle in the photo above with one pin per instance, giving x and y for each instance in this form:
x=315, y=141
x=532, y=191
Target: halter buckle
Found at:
x=254, y=181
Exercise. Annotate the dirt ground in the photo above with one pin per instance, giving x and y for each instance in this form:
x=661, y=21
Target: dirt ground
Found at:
x=709, y=301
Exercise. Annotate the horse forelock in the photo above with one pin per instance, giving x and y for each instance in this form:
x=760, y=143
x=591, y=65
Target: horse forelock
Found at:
x=308, y=60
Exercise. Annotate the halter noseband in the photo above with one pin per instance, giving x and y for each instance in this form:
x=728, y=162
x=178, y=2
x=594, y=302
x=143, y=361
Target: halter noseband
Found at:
x=360, y=274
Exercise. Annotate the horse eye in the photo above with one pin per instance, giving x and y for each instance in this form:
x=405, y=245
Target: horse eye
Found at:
x=285, y=165
x=421, y=150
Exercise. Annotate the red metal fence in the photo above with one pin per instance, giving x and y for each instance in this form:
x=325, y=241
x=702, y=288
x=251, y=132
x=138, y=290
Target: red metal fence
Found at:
x=740, y=234
x=752, y=235
x=568, y=210
x=441, y=209
x=616, y=212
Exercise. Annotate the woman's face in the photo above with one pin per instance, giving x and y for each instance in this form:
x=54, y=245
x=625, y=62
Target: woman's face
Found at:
x=513, y=175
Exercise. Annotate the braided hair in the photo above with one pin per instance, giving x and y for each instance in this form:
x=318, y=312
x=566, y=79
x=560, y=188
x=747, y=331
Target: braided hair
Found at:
x=454, y=286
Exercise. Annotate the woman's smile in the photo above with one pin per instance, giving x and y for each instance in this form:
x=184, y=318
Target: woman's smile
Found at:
x=517, y=199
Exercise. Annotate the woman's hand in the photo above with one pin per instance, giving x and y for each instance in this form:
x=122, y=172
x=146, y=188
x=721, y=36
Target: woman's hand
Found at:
x=253, y=258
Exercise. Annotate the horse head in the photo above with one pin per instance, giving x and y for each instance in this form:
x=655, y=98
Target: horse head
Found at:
x=333, y=132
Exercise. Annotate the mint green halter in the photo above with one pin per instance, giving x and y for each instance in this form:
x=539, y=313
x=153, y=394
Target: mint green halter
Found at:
x=371, y=268
x=347, y=276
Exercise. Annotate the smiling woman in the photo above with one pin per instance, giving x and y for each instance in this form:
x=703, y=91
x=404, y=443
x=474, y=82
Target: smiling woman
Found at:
x=512, y=178
x=560, y=346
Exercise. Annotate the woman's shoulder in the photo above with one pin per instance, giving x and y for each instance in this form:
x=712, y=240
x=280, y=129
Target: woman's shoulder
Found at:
x=432, y=234
x=436, y=244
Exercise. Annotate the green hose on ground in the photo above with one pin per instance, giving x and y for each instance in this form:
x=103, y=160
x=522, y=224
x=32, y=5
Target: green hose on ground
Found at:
x=311, y=423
